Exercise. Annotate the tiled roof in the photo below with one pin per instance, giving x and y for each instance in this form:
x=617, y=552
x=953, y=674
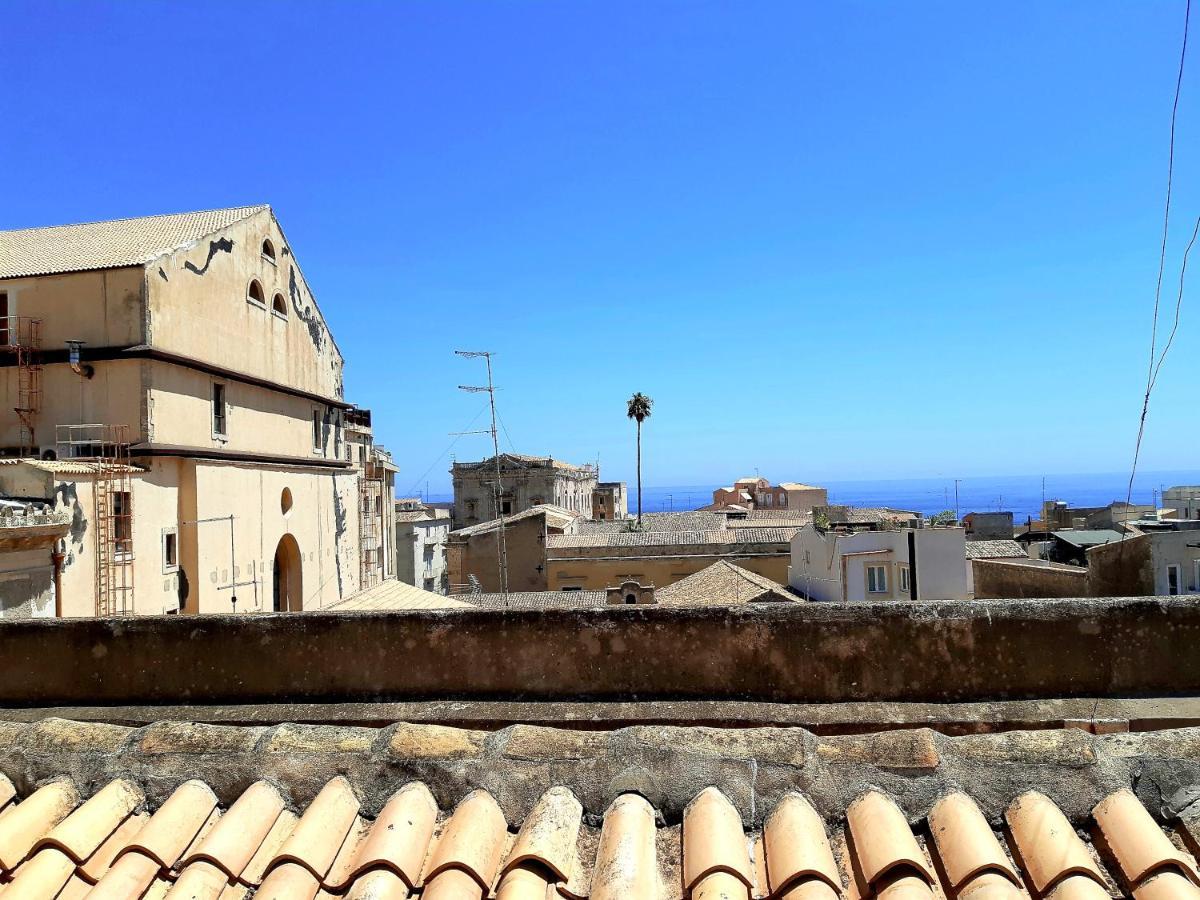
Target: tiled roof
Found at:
x=394, y=594
x=723, y=584
x=751, y=535
x=1083, y=537
x=536, y=600
x=65, y=466
x=555, y=515
x=56, y=842
x=999, y=549
x=690, y=520
x=518, y=460
x=108, y=245
x=796, y=486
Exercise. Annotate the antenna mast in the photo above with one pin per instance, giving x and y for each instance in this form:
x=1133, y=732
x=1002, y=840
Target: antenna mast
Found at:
x=502, y=549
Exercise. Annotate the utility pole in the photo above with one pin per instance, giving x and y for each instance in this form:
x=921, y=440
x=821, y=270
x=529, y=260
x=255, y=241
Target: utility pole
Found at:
x=956, y=516
x=501, y=547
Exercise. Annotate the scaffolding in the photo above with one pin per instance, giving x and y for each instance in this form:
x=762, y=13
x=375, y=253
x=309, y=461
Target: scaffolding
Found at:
x=370, y=510
x=105, y=450
x=22, y=337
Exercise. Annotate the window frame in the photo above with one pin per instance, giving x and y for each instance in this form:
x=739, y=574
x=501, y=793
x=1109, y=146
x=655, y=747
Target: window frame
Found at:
x=881, y=586
x=221, y=433
x=261, y=304
x=271, y=256
x=122, y=522
x=170, y=538
x=1178, y=569
x=280, y=313
x=902, y=578
x=318, y=445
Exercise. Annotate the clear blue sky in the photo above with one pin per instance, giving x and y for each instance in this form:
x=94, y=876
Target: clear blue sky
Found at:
x=836, y=241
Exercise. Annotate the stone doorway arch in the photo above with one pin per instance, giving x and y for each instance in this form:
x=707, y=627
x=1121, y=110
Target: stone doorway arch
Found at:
x=287, y=576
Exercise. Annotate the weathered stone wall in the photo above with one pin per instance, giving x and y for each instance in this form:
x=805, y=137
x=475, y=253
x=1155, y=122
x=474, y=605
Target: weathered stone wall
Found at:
x=1121, y=569
x=996, y=578
x=668, y=765
x=940, y=651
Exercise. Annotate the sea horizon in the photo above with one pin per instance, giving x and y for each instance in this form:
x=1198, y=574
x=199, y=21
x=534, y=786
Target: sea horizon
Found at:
x=1020, y=494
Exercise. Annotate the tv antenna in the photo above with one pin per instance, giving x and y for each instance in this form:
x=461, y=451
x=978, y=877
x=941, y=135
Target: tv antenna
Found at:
x=490, y=390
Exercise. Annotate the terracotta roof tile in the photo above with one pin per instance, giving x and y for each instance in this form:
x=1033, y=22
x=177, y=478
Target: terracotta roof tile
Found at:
x=884, y=846
x=525, y=882
x=550, y=834
x=625, y=858
x=8, y=793
x=319, y=835
x=201, y=880
x=280, y=831
x=130, y=876
x=1050, y=849
x=400, y=836
x=713, y=841
x=965, y=843
x=1166, y=885
x=93, y=868
x=289, y=880
x=379, y=884
x=81, y=833
x=454, y=884
x=796, y=846
x=472, y=842
x=174, y=827
x=24, y=824
x=42, y=876
x=1139, y=846
x=237, y=836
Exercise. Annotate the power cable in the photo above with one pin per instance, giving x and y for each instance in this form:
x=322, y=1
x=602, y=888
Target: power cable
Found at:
x=417, y=483
x=1152, y=371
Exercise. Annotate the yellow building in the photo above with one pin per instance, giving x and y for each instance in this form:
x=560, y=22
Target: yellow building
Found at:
x=182, y=393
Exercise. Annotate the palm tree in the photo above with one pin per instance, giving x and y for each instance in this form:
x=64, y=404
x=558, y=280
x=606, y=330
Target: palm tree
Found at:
x=638, y=409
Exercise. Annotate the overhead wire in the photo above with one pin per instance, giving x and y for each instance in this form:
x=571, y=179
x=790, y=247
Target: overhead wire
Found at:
x=457, y=437
x=1155, y=363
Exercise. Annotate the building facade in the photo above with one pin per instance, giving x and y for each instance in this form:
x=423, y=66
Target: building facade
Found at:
x=758, y=493
x=525, y=482
x=181, y=380
x=1183, y=500
x=610, y=501
x=894, y=564
x=421, y=536
x=1163, y=562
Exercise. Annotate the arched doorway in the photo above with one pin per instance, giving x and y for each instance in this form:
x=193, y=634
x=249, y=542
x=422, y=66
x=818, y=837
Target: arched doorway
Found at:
x=287, y=577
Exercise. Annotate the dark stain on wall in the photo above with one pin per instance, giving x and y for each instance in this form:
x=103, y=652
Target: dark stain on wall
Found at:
x=306, y=314
x=224, y=245
x=65, y=495
x=162, y=274
x=339, y=525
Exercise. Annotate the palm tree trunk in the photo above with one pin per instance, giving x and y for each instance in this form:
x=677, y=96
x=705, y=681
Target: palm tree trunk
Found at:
x=639, y=472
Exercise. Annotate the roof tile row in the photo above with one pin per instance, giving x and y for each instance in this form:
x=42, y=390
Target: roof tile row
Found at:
x=109, y=848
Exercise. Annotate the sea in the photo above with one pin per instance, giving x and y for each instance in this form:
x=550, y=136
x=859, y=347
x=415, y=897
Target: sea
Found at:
x=1020, y=494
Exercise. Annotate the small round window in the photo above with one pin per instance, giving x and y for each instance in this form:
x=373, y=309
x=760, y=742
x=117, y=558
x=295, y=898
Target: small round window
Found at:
x=268, y=250
x=255, y=293
x=279, y=305
x=285, y=501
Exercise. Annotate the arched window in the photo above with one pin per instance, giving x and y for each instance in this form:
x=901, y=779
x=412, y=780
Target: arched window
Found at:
x=279, y=305
x=255, y=293
x=268, y=250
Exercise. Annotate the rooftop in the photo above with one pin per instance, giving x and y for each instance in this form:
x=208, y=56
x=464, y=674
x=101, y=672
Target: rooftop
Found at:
x=524, y=461
x=723, y=584
x=748, y=535
x=688, y=520
x=295, y=811
x=998, y=549
x=1083, y=537
x=394, y=594
x=536, y=600
x=556, y=516
x=109, y=245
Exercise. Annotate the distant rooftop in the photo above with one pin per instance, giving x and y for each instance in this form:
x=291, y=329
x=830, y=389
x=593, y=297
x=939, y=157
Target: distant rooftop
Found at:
x=111, y=244
x=524, y=461
x=723, y=584
x=555, y=515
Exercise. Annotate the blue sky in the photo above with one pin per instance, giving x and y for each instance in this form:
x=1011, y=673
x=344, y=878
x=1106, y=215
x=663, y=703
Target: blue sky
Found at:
x=837, y=241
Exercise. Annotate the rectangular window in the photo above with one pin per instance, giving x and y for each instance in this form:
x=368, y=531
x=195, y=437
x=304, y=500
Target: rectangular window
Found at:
x=876, y=580
x=316, y=422
x=170, y=551
x=1172, y=580
x=218, y=409
x=122, y=514
x=3, y=319
x=903, y=578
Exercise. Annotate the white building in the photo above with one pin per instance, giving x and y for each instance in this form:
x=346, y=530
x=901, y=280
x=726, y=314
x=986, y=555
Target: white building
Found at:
x=899, y=564
x=421, y=535
x=1184, y=499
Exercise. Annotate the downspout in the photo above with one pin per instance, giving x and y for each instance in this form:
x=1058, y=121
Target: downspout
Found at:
x=56, y=560
x=912, y=565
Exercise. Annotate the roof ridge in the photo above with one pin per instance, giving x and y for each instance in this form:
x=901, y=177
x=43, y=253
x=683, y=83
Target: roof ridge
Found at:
x=194, y=212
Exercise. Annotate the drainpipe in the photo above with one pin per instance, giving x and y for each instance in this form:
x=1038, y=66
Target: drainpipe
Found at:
x=912, y=565
x=56, y=560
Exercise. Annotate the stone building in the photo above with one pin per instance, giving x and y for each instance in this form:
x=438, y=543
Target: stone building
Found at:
x=610, y=501
x=759, y=493
x=170, y=384
x=473, y=553
x=525, y=482
x=421, y=536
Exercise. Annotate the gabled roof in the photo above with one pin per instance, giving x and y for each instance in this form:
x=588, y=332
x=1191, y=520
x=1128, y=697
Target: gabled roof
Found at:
x=723, y=584
x=393, y=594
x=997, y=549
x=556, y=517
x=109, y=245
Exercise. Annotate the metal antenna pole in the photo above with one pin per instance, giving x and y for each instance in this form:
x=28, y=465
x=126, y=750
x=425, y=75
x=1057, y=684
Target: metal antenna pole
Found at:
x=501, y=546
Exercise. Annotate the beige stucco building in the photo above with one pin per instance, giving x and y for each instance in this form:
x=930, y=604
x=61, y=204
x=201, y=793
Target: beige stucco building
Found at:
x=759, y=493
x=184, y=394
x=525, y=482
